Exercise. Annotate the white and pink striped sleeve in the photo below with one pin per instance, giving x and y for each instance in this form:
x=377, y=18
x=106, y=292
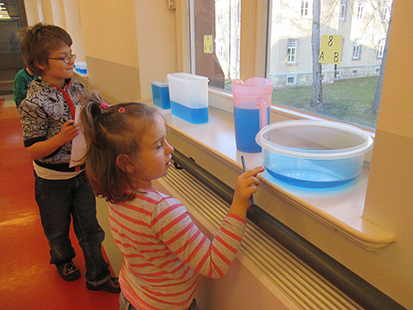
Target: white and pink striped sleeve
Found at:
x=175, y=228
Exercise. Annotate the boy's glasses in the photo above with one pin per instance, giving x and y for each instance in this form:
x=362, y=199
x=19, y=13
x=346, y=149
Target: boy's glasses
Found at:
x=66, y=59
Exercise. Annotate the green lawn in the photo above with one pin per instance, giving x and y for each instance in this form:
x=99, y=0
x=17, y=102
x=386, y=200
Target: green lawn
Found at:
x=346, y=100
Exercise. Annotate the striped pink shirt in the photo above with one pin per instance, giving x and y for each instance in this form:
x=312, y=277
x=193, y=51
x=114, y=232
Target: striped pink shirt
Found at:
x=164, y=251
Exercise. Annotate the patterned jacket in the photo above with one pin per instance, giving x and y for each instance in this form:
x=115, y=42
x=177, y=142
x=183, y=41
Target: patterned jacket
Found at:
x=42, y=115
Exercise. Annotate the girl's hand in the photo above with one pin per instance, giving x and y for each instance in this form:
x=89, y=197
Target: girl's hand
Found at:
x=246, y=186
x=69, y=131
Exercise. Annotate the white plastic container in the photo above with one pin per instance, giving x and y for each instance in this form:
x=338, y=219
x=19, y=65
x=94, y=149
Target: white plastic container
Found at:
x=313, y=154
x=188, y=94
x=160, y=94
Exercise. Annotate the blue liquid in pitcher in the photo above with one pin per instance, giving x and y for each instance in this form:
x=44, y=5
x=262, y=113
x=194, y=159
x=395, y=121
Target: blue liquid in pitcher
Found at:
x=247, y=125
x=194, y=116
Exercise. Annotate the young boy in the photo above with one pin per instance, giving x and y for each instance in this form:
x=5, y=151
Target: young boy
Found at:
x=61, y=192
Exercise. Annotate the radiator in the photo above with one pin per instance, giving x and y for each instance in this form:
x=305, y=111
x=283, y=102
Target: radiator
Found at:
x=305, y=288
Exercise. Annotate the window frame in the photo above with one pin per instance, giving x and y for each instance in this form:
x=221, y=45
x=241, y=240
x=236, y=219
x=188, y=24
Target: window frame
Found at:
x=381, y=47
x=343, y=10
x=385, y=11
x=305, y=9
x=289, y=77
x=356, y=51
x=255, y=15
x=292, y=51
x=360, y=10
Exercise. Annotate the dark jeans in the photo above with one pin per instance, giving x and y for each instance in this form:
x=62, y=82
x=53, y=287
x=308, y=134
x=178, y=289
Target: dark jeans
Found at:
x=58, y=201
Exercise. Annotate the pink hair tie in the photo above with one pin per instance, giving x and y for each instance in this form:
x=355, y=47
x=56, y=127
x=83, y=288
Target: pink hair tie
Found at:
x=103, y=105
x=121, y=110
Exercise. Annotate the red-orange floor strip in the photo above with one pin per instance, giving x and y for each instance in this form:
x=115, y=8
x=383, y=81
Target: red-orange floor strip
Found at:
x=27, y=280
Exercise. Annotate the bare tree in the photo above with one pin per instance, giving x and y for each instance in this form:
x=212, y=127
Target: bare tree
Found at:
x=376, y=102
x=317, y=100
x=317, y=96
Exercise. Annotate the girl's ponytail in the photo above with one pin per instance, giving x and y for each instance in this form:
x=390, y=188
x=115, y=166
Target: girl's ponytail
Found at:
x=92, y=107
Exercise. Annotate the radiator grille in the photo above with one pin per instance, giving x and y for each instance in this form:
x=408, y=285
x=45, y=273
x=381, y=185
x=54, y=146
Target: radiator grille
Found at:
x=301, y=284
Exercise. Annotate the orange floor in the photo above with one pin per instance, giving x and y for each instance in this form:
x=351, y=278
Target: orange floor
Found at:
x=27, y=280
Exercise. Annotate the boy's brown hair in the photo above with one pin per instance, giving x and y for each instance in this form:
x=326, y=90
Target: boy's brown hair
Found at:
x=39, y=41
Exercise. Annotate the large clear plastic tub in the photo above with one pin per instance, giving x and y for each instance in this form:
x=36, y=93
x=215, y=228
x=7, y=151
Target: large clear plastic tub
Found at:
x=313, y=154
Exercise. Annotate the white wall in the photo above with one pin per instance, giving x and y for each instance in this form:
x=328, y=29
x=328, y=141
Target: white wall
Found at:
x=389, y=201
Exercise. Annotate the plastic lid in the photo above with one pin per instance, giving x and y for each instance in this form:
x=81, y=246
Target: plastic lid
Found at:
x=182, y=76
x=160, y=83
x=252, y=87
x=307, y=125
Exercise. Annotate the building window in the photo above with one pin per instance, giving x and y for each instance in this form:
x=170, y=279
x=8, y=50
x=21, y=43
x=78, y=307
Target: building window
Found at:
x=343, y=9
x=360, y=10
x=356, y=51
x=291, y=79
x=284, y=30
x=385, y=12
x=221, y=19
x=380, y=51
x=292, y=51
x=305, y=8
x=220, y=49
x=220, y=15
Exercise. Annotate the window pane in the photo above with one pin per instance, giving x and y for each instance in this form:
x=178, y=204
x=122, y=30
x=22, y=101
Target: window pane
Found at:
x=10, y=24
x=215, y=40
x=348, y=81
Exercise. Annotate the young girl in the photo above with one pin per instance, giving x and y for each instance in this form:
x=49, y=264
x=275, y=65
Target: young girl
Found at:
x=164, y=252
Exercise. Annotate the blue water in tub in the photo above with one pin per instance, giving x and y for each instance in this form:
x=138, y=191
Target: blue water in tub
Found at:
x=312, y=173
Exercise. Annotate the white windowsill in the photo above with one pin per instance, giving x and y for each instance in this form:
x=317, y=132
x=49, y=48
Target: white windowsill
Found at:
x=340, y=208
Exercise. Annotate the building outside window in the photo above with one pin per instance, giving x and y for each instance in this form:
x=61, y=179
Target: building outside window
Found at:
x=382, y=45
x=222, y=20
x=360, y=10
x=305, y=8
x=357, y=23
x=291, y=51
x=356, y=51
x=385, y=11
x=343, y=9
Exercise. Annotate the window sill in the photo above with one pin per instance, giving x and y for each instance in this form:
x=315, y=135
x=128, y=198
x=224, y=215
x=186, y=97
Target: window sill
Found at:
x=340, y=209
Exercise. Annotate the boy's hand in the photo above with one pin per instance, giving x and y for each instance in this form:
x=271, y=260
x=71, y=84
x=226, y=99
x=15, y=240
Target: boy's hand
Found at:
x=69, y=131
x=44, y=148
x=246, y=186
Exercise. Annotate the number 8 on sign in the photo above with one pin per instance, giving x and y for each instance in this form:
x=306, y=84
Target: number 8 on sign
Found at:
x=330, y=50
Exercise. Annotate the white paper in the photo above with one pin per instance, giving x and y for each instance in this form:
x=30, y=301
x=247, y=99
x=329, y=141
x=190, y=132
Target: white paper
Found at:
x=78, y=144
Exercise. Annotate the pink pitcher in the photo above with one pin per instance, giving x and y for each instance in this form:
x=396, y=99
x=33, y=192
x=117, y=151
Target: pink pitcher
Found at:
x=252, y=103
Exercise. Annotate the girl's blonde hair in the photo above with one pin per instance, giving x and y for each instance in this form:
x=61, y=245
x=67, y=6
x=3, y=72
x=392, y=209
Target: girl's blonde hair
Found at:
x=109, y=132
